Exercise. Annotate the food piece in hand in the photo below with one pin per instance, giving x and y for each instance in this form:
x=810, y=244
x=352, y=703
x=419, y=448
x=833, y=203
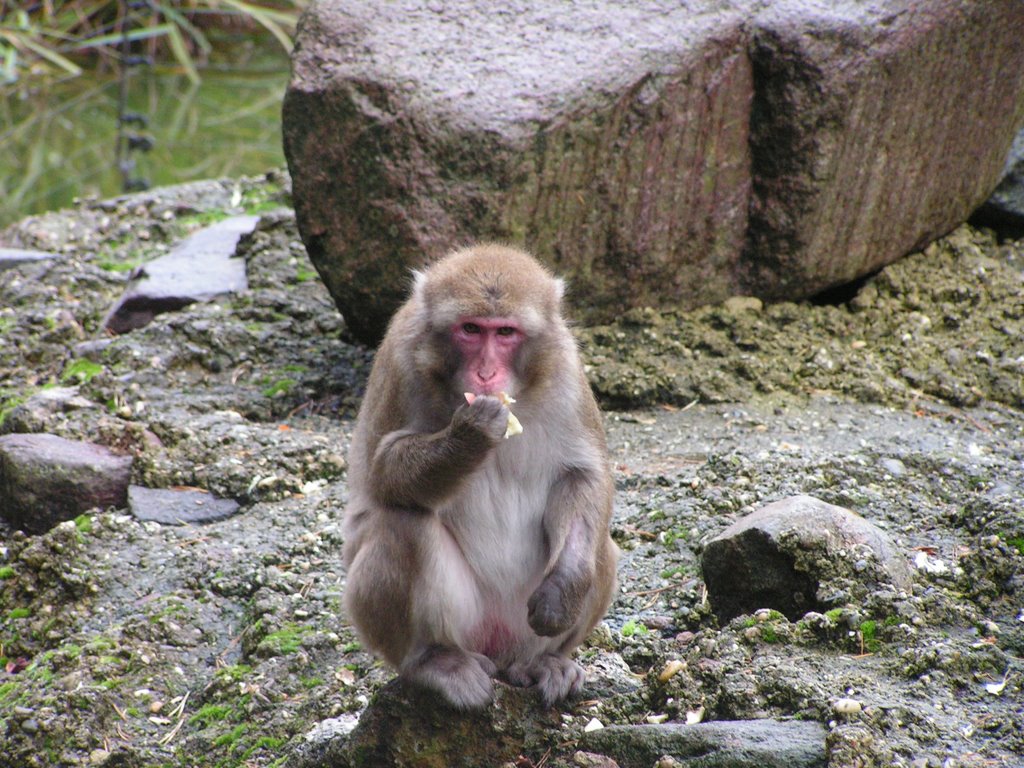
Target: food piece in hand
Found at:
x=513, y=427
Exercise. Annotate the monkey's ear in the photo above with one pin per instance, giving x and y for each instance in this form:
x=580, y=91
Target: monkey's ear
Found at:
x=419, y=282
x=559, y=289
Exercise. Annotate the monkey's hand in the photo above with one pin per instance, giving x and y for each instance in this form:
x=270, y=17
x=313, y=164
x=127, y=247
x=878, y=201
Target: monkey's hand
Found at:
x=513, y=427
x=486, y=415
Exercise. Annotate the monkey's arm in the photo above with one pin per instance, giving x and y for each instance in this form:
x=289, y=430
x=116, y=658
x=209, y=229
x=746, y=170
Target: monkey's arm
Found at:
x=418, y=470
x=578, y=504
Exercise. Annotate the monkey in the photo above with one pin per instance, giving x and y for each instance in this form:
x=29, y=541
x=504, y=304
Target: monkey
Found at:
x=471, y=556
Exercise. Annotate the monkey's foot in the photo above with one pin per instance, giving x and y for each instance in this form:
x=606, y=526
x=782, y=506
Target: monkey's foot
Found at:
x=463, y=678
x=555, y=677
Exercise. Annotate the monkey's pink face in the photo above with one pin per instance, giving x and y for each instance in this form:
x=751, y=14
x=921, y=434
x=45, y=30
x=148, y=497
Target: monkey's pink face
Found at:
x=487, y=348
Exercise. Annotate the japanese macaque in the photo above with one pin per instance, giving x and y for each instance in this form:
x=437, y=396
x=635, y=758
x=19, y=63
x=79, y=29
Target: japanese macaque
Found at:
x=472, y=555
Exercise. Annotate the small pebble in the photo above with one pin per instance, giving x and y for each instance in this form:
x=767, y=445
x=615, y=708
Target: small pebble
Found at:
x=671, y=669
x=847, y=706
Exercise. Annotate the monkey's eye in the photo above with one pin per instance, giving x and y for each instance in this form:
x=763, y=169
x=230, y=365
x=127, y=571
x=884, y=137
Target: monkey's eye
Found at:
x=506, y=330
x=471, y=328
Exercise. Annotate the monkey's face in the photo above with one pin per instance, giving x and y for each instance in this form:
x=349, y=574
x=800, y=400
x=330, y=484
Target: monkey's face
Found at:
x=486, y=348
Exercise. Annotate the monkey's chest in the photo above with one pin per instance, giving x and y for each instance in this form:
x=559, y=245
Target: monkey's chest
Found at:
x=498, y=524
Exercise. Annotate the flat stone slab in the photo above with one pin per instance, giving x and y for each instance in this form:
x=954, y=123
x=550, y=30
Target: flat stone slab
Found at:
x=46, y=479
x=658, y=154
x=178, y=507
x=201, y=267
x=719, y=744
x=13, y=257
x=783, y=555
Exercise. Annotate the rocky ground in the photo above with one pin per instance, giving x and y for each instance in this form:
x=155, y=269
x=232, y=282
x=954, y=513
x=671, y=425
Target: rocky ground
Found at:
x=134, y=644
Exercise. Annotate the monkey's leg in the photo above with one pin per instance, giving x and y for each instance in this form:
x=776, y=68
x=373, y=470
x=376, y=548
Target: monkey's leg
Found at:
x=413, y=600
x=446, y=606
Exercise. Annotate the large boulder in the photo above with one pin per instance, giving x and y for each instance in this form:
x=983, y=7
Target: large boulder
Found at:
x=659, y=154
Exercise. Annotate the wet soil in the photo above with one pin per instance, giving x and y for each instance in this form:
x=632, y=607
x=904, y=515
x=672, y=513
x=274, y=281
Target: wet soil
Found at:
x=134, y=644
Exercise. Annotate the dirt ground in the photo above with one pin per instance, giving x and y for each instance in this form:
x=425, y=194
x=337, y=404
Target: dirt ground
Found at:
x=133, y=644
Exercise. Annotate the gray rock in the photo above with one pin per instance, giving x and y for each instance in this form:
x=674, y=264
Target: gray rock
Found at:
x=178, y=507
x=894, y=467
x=37, y=412
x=790, y=554
x=13, y=257
x=721, y=744
x=46, y=479
x=659, y=154
x=199, y=268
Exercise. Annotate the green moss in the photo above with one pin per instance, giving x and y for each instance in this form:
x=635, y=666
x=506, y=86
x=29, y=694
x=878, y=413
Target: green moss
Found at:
x=264, y=742
x=84, y=523
x=1017, y=542
x=7, y=690
x=231, y=737
x=108, y=264
x=235, y=673
x=203, y=219
x=280, y=387
x=20, y=613
x=9, y=400
x=6, y=572
x=672, y=536
x=80, y=371
x=286, y=640
x=633, y=627
x=209, y=714
x=99, y=644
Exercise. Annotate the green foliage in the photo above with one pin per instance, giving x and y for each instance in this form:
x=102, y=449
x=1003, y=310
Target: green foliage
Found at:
x=55, y=40
x=6, y=572
x=84, y=523
x=19, y=613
